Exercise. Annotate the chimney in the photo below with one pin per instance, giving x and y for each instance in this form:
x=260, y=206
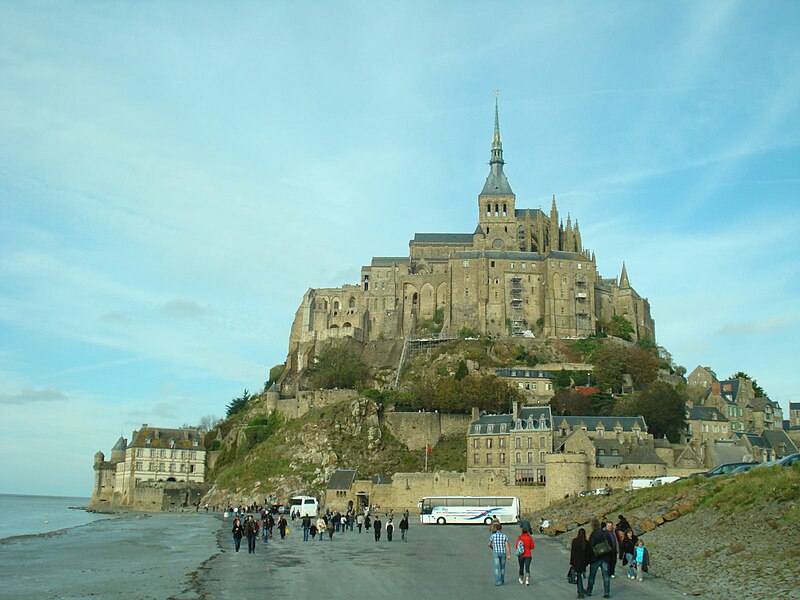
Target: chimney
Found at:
x=475, y=413
x=715, y=388
x=515, y=409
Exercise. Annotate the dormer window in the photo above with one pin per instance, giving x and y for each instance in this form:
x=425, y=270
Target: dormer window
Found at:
x=476, y=429
x=502, y=427
x=490, y=428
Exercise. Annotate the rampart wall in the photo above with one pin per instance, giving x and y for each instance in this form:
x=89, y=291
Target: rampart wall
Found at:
x=416, y=430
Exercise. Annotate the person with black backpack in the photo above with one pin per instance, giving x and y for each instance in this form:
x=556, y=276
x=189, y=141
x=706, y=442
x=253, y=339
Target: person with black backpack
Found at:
x=603, y=554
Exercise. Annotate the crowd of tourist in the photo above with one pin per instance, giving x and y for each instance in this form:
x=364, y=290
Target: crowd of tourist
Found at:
x=313, y=528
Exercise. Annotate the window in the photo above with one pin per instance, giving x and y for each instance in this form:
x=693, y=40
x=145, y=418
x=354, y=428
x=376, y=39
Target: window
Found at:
x=489, y=443
x=502, y=458
x=491, y=264
x=518, y=458
x=521, y=265
x=489, y=459
x=476, y=459
x=465, y=264
x=601, y=432
x=476, y=443
x=476, y=429
x=512, y=265
x=530, y=458
x=490, y=428
x=542, y=442
x=541, y=457
x=530, y=442
x=517, y=443
x=502, y=441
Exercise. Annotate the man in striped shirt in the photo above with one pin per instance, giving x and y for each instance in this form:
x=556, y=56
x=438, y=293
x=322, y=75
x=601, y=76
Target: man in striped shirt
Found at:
x=498, y=543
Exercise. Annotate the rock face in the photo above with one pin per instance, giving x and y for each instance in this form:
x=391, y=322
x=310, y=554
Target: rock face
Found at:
x=302, y=455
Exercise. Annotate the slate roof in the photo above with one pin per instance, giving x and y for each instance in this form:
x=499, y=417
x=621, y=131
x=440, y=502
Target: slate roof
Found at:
x=443, y=238
x=120, y=445
x=705, y=413
x=609, y=423
x=532, y=212
x=781, y=443
x=499, y=255
x=482, y=423
x=733, y=392
x=642, y=455
x=524, y=373
x=389, y=261
x=496, y=184
x=160, y=438
x=753, y=439
x=342, y=479
x=760, y=404
x=608, y=444
x=794, y=405
x=727, y=452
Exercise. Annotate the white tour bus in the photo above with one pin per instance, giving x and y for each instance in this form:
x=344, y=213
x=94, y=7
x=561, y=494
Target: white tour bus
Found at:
x=469, y=509
x=305, y=506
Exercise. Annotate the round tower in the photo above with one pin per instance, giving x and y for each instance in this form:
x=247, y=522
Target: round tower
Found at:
x=99, y=457
x=567, y=474
x=272, y=397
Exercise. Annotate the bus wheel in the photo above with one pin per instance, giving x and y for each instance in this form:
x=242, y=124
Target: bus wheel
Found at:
x=487, y=521
x=440, y=521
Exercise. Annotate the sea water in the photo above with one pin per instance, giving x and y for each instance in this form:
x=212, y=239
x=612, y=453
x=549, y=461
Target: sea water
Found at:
x=28, y=515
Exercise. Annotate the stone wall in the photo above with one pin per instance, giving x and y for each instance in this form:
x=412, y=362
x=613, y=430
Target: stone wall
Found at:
x=295, y=408
x=407, y=489
x=416, y=430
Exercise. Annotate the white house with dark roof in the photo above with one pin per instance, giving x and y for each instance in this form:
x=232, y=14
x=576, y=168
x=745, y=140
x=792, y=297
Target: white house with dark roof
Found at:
x=535, y=384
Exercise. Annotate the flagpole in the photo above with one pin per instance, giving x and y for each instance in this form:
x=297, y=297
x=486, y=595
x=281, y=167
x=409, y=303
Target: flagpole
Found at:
x=426, y=457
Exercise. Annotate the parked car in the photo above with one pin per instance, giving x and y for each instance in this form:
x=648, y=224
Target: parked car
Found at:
x=786, y=461
x=742, y=469
x=664, y=479
x=726, y=469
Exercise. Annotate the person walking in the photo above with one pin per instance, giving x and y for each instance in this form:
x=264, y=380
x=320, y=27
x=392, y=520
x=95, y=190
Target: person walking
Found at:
x=251, y=531
x=376, y=526
x=321, y=527
x=498, y=544
x=282, y=526
x=626, y=551
x=404, y=528
x=641, y=559
x=270, y=524
x=306, y=523
x=613, y=541
x=367, y=522
x=237, y=531
x=525, y=543
x=330, y=527
x=389, y=530
x=603, y=555
x=360, y=522
x=580, y=555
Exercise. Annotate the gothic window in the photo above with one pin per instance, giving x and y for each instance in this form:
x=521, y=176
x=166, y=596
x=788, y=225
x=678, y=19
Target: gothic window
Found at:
x=335, y=305
x=352, y=302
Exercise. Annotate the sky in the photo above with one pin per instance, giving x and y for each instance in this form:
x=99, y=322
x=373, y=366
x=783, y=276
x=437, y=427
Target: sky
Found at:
x=175, y=175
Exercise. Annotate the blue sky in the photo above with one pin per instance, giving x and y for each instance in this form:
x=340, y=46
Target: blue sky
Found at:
x=175, y=175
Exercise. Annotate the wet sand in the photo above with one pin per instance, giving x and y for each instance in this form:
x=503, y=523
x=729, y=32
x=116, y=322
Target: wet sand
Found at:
x=132, y=556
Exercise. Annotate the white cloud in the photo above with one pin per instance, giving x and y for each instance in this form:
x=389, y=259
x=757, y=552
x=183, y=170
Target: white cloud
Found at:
x=32, y=396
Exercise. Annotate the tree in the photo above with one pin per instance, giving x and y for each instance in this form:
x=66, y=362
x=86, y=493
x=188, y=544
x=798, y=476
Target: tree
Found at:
x=337, y=366
x=237, y=404
x=208, y=422
x=461, y=370
x=620, y=327
x=613, y=362
x=680, y=370
x=662, y=408
x=642, y=366
x=757, y=389
x=570, y=403
x=603, y=403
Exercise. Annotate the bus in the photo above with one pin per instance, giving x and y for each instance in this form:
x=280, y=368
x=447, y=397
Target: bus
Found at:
x=469, y=509
x=305, y=506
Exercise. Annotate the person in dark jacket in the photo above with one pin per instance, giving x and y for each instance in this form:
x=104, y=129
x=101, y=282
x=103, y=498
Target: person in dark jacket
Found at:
x=251, y=531
x=376, y=526
x=238, y=532
x=613, y=540
x=623, y=524
x=282, y=526
x=389, y=530
x=626, y=552
x=580, y=555
x=603, y=555
x=404, y=528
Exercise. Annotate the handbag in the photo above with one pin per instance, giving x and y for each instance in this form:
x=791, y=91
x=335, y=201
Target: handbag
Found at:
x=572, y=576
x=601, y=548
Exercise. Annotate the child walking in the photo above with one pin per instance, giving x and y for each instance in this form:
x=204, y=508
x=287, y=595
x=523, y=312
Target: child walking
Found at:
x=641, y=559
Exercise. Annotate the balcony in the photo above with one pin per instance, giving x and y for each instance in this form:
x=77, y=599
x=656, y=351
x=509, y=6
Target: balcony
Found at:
x=581, y=295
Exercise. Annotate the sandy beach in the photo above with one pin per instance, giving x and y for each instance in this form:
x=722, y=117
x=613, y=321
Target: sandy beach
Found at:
x=132, y=556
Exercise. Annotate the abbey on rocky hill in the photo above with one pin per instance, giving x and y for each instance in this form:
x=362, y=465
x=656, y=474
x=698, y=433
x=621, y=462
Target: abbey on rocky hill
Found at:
x=520, y=273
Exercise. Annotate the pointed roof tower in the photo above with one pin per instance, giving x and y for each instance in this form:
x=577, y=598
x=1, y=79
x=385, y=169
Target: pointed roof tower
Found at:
x=623, y=278
x=496, y=183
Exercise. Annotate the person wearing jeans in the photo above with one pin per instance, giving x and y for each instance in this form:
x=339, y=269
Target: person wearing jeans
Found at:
x=600, y=560
x=306, y=523
x=498, y=543
x=404, y=528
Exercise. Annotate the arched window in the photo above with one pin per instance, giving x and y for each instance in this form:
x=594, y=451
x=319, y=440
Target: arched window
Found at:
x=505, y=211
x=352, y=302
x=488, y=211
x=496, y=210
x=335, y=305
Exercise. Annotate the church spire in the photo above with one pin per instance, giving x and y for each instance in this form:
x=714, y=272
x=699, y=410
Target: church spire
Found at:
x=497, y=140
x=623, y=278
x=496, y=183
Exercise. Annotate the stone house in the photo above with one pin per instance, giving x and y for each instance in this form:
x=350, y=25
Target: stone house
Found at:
x=792, y=424
x=155, y=455
x=536, y=385
x=768, y=445
x=705, y=423
x=701, y=377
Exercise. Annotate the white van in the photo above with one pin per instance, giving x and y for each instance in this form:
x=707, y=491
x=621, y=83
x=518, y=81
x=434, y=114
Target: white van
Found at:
x=638, y=484
x=305, y=506
x=662, y=480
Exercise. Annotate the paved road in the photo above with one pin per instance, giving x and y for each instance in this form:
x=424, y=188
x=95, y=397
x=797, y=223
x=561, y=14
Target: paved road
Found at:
x=438, y=562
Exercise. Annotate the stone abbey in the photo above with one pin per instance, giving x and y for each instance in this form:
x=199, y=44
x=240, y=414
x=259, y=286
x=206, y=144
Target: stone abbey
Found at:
x=521, y=273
